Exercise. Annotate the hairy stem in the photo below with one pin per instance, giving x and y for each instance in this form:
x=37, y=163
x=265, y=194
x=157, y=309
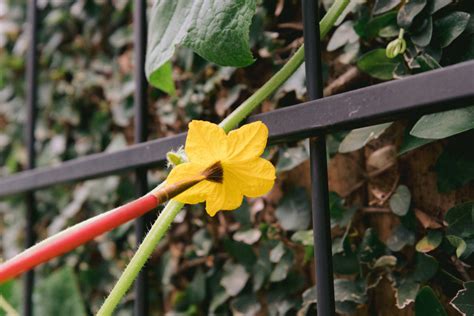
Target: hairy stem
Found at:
x=235, y=118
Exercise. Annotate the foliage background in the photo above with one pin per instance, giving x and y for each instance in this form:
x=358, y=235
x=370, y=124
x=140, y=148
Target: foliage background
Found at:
x=401, y=212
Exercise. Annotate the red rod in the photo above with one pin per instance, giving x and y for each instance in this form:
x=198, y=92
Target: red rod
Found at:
x=76, y=236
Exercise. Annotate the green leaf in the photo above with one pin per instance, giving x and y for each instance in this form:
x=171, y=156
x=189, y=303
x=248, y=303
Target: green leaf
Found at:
x=304, y=237
x=460, y=219
x=425, y=268
x=348, y=290
x=282, y=268
x=444, y=124
x=400, y=238
x=216, y=30
x=59, y=294
x=245, y=305
x=358, y=138
x=241, y=252
x=405, y=292
x=376, y=24
x=454, y=167
x=422, y=37
x=430, y=242
x=249, y=236
x=435, y=5
x=202, y=241
x=293, y=212
x=427, y=304
x=409, y=11
x=346, y=263
x=449, y=27
x=410, y=143
x=382, y=6
x=289, y=158
x=377, y=64
x=234, y=279
x=464, y=300
x=162, y=78
x=371, y=247
x=457, y=243
x=400, y=201
x=343, y=35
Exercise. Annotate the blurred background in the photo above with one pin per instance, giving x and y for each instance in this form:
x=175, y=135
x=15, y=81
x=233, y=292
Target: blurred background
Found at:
x=390, y=190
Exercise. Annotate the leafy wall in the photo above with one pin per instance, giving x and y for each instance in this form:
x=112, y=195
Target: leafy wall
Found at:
x=402, y=194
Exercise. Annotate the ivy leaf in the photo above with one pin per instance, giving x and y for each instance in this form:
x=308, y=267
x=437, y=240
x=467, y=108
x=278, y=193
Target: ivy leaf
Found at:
x=304, y=237
x=399, y=238
x=216, y=30
x=400, y=201
x=245, y=305
x=427, y=304
x=358, y=138
x=382, y=6
x=409, y=11
x=377, y=64
x=444, y=124
x=348, y=290
x=464, y=299
x=460, y=219
x=282, y=268
x=405, y=292
x=454, y=166
x=448, y=28
x=293, y=213
x=430, y=242
x=343, y=35
x=426, y=267
x=457, y=243
x=371, y=247
x=234, y=279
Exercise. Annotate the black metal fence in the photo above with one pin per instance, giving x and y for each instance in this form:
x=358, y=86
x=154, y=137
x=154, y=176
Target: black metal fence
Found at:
x=434, y=91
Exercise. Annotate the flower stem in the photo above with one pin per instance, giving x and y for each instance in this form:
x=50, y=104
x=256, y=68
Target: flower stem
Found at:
x=239, y=114
x=172, y=209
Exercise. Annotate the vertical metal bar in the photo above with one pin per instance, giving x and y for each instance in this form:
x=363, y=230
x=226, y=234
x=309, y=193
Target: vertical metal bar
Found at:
x=31, y=97
x=140, y=98
x=319, y=177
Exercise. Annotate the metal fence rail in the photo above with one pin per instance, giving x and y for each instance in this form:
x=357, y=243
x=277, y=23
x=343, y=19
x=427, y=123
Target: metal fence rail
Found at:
x=434, y=91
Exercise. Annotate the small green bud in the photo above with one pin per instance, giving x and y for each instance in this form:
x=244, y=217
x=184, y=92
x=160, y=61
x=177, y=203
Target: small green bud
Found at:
x=397, y=46
x=176, y=157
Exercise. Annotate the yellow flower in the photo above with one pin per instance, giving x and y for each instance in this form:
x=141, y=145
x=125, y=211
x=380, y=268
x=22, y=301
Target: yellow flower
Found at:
x=244, y=172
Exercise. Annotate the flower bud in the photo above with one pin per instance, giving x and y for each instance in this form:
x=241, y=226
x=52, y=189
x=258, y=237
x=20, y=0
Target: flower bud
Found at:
x=395, y=48
x=175, y=158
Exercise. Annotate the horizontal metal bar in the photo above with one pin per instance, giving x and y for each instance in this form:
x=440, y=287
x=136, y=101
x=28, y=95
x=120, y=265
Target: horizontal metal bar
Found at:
x=428, y=92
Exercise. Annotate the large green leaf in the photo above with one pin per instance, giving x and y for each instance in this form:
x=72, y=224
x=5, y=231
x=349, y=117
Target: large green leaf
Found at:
x=430, y=242
x=427, y=304
x=464, y=300
x=377, y=64
x=359, y=137
x=444, y=124
x=216, y=30
x=448, y=28
x=59, y=294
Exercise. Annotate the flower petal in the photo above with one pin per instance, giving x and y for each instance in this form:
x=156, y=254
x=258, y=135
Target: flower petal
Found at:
x=247, y=142
x=253, y=178
x=223, y=197
x=183, y=172
x=206, y=143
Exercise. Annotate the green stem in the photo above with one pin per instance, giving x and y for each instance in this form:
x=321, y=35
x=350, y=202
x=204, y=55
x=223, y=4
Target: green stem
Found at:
x=172, y=209
x=139, y=259
x=244, y=110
